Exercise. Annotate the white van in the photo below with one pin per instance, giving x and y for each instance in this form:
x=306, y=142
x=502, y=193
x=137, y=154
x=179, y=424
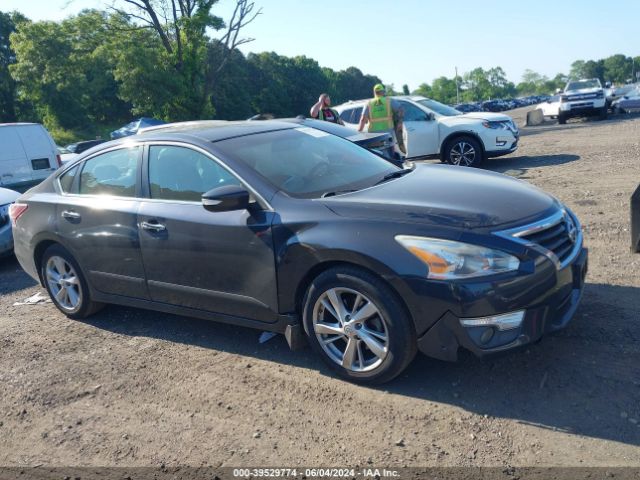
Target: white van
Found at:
x=28, y=155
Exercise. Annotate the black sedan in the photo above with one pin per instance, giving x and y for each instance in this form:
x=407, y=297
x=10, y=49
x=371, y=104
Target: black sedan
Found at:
x=290, y=229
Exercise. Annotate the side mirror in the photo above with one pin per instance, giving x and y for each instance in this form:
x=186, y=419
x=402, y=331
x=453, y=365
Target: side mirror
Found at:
x=429, y=117
x=225, y=199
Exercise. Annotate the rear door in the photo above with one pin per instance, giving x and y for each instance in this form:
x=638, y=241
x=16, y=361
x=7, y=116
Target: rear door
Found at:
x=220, y=262
x=15, y=171
x=97, y=220
x=422, y=133
x=40, y=150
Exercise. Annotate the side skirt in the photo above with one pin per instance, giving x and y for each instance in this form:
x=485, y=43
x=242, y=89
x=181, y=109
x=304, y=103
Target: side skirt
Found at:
x=289, y=325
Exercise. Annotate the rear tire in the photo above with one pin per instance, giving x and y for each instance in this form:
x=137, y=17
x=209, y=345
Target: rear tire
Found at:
x=358, y=326
x=66, y=284
x=464, y=151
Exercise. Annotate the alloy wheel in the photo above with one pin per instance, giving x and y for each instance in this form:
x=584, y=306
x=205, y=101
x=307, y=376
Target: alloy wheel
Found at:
x=64, y=284
x=350, y=329
x=463, y=154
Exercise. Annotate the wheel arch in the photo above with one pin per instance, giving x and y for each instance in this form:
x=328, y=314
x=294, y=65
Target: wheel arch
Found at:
x=322, y=267
x=41, y=246
x=458, y=134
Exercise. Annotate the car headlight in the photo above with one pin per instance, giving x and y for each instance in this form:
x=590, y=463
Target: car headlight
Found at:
x=495, y=125
x=449, y=260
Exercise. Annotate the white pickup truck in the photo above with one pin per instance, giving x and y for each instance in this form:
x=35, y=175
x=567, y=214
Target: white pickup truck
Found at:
x=437, y=130
x=582, y=98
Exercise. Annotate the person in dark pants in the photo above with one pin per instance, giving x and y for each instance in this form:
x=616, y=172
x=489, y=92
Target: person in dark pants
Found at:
x=322, y=110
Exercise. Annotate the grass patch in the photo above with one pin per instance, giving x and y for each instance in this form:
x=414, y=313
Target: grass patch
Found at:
x=64, y=136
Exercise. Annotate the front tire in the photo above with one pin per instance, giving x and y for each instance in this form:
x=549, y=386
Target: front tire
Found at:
x=66, y=284
x=464, y=151
x=562, y=120
x=358, y=326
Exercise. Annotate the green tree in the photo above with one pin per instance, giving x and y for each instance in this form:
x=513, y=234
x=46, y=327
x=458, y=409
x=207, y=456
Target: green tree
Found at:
x=577, y=70
x=594, y=69
x=8, y=103
x=180, y=28
x=63, y=70
x=424, y=89
x=617, y=68
x=443, y=90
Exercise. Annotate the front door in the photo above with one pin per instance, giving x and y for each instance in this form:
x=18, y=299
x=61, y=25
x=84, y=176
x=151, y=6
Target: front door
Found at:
x=221, y=262
x=422, y=132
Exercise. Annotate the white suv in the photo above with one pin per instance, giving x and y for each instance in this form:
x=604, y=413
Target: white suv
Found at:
x=436, y=130
x=582, y=98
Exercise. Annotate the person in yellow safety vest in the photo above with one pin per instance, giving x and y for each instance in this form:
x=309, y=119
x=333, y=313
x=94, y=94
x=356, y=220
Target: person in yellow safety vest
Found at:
x=321, y=110
x=381, y=114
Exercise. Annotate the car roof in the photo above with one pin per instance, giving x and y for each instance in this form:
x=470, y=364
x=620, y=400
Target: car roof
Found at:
x=216, y=130
x=357, y=103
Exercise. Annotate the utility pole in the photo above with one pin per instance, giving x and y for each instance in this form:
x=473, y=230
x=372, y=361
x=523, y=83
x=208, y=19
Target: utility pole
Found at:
x=457, y=88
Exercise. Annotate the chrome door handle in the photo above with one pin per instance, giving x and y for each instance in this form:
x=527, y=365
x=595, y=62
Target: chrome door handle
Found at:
x=153, y=227
x=71, y=215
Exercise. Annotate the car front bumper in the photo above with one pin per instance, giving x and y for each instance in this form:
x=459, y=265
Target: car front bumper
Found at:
x=549, y=299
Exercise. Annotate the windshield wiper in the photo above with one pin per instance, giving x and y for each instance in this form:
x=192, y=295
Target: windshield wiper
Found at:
x=394, y=174
x=337, y=192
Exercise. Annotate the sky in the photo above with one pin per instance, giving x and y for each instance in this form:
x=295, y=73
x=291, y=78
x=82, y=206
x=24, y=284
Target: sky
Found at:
x=414, y=41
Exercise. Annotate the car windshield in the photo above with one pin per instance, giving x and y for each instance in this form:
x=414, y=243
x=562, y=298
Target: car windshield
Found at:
x=633, y=93
x=439, y=108
x=307, y=163
x=582, y=84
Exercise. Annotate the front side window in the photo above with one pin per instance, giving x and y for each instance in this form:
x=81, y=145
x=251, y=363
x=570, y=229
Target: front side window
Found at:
x=351, y=115
x=439, y=108
x=112, y=173
x=411, y=113
x=180, y=173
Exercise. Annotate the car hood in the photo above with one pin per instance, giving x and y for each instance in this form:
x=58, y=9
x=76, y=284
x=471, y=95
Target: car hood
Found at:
x=480, y=116
x=448, y=196
x=8, y=196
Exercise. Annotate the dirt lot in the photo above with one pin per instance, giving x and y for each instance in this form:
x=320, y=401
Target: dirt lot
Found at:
x=129, y=387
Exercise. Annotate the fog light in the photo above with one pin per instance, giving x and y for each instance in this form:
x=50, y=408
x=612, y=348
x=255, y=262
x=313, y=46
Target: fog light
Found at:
x=486, y=336
x=507, y=321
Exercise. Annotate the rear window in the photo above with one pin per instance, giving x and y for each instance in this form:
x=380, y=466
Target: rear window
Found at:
x=112, y=173
x=67, y=178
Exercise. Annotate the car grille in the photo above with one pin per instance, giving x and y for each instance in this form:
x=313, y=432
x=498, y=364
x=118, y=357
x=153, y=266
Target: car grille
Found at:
x=584, y=96
x=559, y=238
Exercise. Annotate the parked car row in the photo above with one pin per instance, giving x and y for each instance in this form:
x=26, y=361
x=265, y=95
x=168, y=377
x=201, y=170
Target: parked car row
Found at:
x=500, y=105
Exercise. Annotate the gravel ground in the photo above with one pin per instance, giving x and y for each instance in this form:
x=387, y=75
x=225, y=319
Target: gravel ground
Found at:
x=132, y=388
